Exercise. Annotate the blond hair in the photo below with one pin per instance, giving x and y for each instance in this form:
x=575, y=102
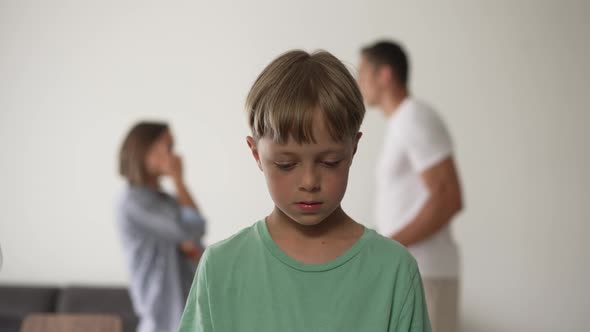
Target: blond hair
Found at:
x=284, y=98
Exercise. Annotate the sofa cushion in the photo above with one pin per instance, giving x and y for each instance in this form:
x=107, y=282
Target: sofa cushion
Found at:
x=19, y=301
x=103, y=300
x=10, y=323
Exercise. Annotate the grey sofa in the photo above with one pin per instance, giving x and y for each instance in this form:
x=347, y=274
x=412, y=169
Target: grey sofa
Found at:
x=17, y=301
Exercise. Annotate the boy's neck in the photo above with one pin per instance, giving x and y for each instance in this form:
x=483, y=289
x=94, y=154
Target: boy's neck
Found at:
x=337, y=222
x=317, y=244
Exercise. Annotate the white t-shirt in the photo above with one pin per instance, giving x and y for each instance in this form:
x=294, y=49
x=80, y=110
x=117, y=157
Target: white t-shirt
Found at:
x=416, y=139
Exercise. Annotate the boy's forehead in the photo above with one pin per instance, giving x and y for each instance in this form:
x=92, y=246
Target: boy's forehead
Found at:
x=318, y=137
x=323, y=145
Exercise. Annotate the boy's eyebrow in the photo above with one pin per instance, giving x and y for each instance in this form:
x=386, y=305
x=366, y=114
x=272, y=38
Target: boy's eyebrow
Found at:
x=289, y=154
x=324, y=152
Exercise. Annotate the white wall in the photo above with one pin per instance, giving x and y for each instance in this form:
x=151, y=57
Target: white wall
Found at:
x=510, y=77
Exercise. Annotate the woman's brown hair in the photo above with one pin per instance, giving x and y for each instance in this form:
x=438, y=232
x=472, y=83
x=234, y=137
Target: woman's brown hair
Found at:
x=134, y=149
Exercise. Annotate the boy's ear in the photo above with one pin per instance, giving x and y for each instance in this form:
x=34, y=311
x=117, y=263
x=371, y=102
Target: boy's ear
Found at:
x=356, y=141
x=252, y=145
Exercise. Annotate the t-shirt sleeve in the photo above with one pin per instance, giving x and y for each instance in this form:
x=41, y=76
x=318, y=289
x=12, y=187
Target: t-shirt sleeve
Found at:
x=414, y=314
x=197, y=315
x=426, y=138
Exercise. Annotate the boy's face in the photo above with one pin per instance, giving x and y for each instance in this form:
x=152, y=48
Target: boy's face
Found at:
x=306, y=181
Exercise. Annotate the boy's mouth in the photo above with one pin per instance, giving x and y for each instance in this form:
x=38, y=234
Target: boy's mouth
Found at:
x=309, y=205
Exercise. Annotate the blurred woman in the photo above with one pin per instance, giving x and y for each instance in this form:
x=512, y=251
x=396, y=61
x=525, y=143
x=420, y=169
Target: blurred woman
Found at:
x=161, y=234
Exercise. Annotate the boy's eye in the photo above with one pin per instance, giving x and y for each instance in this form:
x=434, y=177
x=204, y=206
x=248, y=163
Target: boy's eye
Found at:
x=285, y=166
x=331, y=164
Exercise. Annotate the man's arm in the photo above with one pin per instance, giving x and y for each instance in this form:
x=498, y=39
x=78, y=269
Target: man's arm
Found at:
x=444, y=202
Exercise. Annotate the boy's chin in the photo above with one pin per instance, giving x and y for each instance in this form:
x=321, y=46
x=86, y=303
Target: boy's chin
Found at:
x=309, y=219
x=305, y=219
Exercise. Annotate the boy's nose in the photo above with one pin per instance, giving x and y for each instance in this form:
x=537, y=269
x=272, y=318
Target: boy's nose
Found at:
x=310, y=181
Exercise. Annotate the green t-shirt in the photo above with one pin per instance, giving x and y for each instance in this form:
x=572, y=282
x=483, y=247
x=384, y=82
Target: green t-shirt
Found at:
x=247, y=283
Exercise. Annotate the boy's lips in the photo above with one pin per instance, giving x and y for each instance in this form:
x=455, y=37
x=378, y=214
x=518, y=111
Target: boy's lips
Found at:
x=309, y=206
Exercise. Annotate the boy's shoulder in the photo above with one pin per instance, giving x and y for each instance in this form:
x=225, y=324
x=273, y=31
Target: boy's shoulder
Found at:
x=234, y=246
x=383, y=250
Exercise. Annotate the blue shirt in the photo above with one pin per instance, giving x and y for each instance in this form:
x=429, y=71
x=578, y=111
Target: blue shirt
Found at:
x=152, y=224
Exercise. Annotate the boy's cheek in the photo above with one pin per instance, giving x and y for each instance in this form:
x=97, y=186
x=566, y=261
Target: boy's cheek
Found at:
x=338, y=181
x=277, y=181
x=279, y=193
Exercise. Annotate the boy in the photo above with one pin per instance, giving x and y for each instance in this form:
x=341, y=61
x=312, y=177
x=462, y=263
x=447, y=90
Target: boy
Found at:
x=307, y=266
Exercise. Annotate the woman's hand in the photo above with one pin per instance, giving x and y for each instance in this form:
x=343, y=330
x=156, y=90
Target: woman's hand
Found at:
x=174, y=168
x=191, y=250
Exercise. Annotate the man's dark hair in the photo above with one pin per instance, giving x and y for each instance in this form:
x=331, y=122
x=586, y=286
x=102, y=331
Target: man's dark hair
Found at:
x=389, y=53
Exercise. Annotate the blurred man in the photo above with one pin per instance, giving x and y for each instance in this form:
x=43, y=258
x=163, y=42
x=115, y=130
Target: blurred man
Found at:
x=418, y=190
